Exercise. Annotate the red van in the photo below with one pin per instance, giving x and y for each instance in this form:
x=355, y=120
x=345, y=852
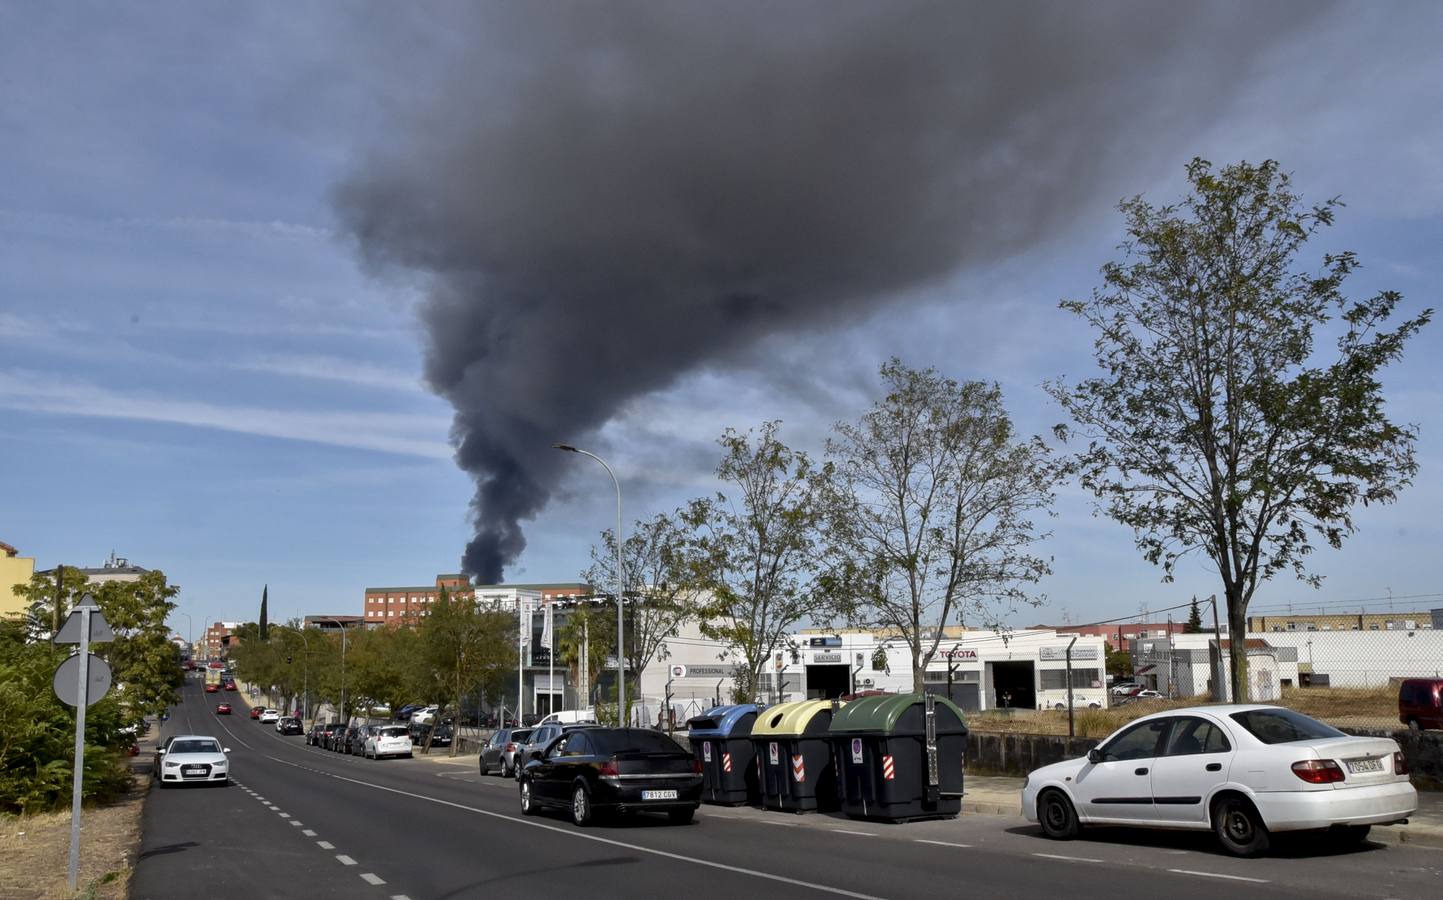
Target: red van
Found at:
x=1420, y=703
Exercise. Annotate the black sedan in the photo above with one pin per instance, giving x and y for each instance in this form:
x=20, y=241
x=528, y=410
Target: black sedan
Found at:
x=595, y=771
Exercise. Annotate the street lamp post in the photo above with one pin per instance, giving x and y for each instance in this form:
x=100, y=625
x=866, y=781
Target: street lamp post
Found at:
x=620, y=587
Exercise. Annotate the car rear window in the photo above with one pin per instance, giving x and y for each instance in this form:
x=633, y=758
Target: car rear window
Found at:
x=520, y=735
x=393, y=731
x=1283, y=726
x=634, y=740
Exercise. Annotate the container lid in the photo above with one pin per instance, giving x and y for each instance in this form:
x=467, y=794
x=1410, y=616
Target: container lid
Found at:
x=897, y=714
x=795, y=719
x=723, y=721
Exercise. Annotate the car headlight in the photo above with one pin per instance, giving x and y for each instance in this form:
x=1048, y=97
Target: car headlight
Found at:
x=171, y=765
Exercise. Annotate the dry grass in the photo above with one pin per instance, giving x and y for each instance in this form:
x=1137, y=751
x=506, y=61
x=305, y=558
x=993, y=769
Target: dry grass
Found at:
x=1341, y=707
x=36, y=848
x=1358, y=707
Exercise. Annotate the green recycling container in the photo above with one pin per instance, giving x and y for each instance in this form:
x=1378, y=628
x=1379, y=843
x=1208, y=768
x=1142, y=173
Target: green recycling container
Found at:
x=885, y=768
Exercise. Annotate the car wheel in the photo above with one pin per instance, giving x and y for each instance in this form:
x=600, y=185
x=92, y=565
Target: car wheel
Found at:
x=528, y=803
x=1239, y=828
x=1414, y=726
x=1094, y=706
x=1059, y=707
x=581, y=812
x=1057, y=816
x=681, y=816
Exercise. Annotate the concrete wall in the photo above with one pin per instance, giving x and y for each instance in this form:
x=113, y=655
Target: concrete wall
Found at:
x=999, y=753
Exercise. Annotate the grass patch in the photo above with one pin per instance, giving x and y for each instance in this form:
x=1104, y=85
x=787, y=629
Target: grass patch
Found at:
x=36, y=847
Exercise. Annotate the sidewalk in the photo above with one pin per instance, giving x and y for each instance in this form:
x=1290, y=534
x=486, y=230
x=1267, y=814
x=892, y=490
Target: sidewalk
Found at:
x=1002, y=796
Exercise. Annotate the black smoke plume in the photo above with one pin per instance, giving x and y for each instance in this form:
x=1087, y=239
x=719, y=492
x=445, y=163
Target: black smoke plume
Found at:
x=604, y=196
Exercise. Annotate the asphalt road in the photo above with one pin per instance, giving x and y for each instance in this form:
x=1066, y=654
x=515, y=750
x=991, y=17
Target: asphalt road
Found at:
x=302, y=822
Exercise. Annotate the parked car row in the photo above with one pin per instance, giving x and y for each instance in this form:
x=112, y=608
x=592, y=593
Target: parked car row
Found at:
x=371, y=741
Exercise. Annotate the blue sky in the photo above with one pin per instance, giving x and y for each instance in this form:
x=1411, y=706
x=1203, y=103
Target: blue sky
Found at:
x=196, y=371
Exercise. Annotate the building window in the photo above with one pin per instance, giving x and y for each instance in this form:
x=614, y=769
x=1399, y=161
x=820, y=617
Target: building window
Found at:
x=1056, y=679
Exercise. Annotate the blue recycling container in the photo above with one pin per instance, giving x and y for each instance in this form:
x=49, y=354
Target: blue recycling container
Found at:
x=721, y=742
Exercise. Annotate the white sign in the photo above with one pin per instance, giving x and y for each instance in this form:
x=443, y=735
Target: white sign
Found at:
x=772, y=753
x=707, y=671
x=546, y=628
x=958, y=653
x=679, y=672
x=856, y=750
x=1088, y=652
x=820, y=658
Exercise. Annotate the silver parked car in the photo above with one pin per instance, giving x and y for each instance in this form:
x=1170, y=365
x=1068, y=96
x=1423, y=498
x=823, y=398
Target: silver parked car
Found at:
x=540, y=737
x=500, y=752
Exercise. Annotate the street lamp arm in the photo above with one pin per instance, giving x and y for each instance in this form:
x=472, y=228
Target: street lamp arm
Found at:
x=620, y=586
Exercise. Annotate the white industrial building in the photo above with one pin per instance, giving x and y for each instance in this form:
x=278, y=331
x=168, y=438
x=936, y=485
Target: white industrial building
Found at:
x=1022, y=670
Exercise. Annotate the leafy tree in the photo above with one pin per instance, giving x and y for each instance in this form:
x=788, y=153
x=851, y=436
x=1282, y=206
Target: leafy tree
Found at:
x=386, y=665
x=590, y=632
x=661, y=591
x=929, y=509
x=145, y=665
x=1119, y=661
x=37, y=731
x=755, y=549
x=1194, y=623
x=1217, y=426
x=461, y=644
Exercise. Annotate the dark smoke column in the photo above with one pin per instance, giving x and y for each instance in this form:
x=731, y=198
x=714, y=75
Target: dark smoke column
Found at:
x=604, y=197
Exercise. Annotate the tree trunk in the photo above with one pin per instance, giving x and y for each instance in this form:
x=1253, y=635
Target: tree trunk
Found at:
x=1237, y=648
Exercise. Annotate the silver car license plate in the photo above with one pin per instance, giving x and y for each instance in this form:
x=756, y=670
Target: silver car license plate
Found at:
x=658, y=795
x=193, y=770
x=1357, y=766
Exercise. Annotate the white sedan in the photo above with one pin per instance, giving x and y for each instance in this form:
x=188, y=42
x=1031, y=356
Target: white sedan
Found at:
x=387, y=740
x=1241, y=771
x=270, y=716
x=192, y=759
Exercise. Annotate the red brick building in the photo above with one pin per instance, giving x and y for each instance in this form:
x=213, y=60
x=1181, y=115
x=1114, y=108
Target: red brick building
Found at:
x=409, y=605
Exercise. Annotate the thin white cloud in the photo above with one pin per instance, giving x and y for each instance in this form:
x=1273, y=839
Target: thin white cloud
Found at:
x=402, y=434
x=335, y=368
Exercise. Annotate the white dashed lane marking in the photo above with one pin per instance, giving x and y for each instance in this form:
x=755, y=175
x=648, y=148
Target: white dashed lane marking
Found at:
x=1219, y=875
x=1067, y=858
x=345, y=860
x=296, y=822
x=307, y=832
x=372, y=879
x=943, y=843
x=284, y=815
x=861, y=833
x=325, y=845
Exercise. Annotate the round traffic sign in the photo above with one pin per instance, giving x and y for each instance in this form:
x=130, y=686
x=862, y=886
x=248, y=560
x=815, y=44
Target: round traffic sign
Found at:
x=67, y=680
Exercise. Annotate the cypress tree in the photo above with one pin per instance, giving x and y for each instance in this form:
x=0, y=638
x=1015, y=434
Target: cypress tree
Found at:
x=265, y=625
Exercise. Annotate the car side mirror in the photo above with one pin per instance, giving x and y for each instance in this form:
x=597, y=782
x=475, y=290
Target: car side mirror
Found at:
x=161, y=751
x=226, y=750
x=1094, y=756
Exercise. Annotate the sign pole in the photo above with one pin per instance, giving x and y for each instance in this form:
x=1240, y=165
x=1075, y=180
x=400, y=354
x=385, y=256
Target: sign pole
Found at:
x=81, y=692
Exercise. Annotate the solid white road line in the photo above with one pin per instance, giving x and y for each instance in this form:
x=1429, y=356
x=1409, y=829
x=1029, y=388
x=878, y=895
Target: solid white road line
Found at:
x=1067, y=858
x=399, y=897
x=1220, y=875
x=345, y=860
x=372, y=879
x=845, y=831
x=639, y=848
x=783, y=824
x=942, y=843
x=307, y=832
x=325, y=845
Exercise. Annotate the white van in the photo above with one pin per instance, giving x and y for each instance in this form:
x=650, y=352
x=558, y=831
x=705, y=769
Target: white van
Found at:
x=571, y=717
